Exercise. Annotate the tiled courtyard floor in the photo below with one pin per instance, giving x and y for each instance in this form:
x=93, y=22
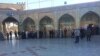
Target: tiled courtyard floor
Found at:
x=50, y=47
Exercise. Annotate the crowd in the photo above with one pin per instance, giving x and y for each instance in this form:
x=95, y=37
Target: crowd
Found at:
x=78, y=33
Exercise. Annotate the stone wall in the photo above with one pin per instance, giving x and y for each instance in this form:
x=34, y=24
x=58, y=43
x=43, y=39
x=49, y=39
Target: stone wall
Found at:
x=76, y=11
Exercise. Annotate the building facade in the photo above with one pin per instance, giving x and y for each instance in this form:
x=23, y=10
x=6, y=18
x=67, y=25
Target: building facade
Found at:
x=54, y=18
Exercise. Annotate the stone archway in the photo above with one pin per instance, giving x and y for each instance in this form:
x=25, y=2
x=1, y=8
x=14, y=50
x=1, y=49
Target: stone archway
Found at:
x=45, y=25
x=89, y=18
x=66, y=24
x=10, y=25
x=28, y=24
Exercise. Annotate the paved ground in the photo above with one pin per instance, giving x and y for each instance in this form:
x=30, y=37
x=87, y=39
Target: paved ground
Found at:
x=50, y=47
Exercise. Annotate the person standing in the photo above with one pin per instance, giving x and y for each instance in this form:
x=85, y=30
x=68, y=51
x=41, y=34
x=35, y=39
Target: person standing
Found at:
x=82, y=33
x=72, y=33
x=7, y=34
x=65, y=32
x=26, y=32
x=88, y=34
x=23, y=35
x=50, y=33
x=15, y=34
x=40, y=34
x=10, y=33
x=77, y=35
x=1, y=36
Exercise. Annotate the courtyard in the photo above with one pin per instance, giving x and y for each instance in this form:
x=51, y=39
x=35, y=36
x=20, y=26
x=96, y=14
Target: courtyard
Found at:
x=50, y=47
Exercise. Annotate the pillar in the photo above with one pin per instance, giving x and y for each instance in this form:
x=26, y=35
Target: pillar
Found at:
x=20, y=27
x=56, y=27
x=56, y=24
x=77, y=19
x=37, y=27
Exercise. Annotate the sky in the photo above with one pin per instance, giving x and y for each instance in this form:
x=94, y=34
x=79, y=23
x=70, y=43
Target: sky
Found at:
x=34, y=4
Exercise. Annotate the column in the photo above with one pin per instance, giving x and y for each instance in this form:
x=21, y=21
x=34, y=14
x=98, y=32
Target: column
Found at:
x=20, y=25
x=77, y=19
x=56, y=27
x=37, y=28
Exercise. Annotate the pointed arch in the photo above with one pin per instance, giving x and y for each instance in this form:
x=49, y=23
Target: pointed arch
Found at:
x=10, y=24
x=45, y=26
x=28, y=19
x=28, y=24
x=9, y=19
x=89, y=18
x=66, y=24
x=66, y=20
x=45, y=21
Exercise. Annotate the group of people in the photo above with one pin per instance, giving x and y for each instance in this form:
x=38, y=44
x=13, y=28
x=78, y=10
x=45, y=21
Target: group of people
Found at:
x=10, y=34
x=82, y=33
x=49, y=33
x=20, y=35
x=76, y=33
